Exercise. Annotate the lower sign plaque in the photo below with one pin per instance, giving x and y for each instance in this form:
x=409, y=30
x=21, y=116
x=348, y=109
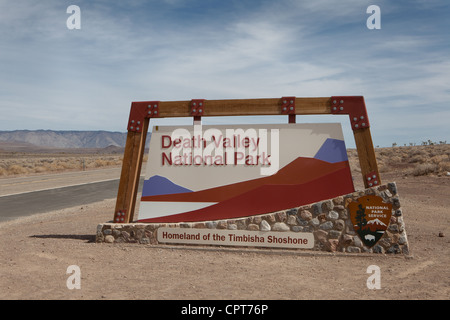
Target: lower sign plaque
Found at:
x=297, y=240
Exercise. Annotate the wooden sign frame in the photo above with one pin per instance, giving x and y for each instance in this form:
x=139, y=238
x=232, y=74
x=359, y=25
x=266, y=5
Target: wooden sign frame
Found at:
x=141, y=113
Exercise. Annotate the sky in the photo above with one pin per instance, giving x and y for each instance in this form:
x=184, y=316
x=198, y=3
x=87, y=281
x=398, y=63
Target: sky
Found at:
x=56, y=78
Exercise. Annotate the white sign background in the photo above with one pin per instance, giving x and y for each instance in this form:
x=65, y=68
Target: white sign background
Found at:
x=296, y=140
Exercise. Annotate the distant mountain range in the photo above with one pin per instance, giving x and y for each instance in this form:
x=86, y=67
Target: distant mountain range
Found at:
x=64, y=139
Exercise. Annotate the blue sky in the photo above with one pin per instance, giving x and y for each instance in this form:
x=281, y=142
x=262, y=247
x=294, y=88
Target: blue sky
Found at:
x=60, y=79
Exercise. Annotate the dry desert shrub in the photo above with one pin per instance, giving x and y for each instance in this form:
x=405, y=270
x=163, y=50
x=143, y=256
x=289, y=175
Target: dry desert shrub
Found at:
x=429, y=160
x=14, y=164
x=418, y=158
x=40, y=169
x=439, y=158
x=444, y=166
x=17, y=169
x=411, y=160
x=424, y=169
x=100, y=163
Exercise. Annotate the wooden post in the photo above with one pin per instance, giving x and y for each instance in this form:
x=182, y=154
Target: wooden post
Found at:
x=130, y=175
x=141, y=112
x=366, y=155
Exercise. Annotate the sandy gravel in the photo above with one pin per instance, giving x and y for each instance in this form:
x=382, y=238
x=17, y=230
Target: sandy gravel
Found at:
x=36, y=251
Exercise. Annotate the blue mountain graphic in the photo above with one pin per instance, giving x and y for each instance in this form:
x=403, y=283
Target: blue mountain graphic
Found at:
x=158, y=185
x=332, y=150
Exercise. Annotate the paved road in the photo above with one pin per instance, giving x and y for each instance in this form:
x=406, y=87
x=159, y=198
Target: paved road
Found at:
x=17, y=205
x=9, y=186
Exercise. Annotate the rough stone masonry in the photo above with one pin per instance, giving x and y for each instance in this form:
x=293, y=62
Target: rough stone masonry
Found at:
x=329, y=221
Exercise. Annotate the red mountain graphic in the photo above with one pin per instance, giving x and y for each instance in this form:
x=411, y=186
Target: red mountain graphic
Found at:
x=303, y=181
x=301, y=170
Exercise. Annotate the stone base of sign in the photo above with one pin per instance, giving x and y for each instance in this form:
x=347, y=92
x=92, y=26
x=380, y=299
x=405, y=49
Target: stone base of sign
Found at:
x=328, y=221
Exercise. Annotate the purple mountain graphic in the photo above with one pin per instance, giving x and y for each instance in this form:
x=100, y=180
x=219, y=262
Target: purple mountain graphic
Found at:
x=332, y=151
x=158, y=185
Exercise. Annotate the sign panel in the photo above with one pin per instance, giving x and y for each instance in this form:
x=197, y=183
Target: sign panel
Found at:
x=200, y=173
x=370, y=217
x=270, y=239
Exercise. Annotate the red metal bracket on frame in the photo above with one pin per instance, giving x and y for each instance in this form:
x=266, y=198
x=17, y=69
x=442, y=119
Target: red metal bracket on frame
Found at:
x=153, y=109
x=197, y=107
x=288, y=105
x=140, y=111
x=120, y=216
x=372, y=179
x=355, y=107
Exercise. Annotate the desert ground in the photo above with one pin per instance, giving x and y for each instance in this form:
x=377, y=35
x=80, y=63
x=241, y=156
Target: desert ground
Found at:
x=37, y=250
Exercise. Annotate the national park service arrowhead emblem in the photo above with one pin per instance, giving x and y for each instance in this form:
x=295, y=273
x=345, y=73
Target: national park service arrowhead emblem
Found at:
x=370, y=217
